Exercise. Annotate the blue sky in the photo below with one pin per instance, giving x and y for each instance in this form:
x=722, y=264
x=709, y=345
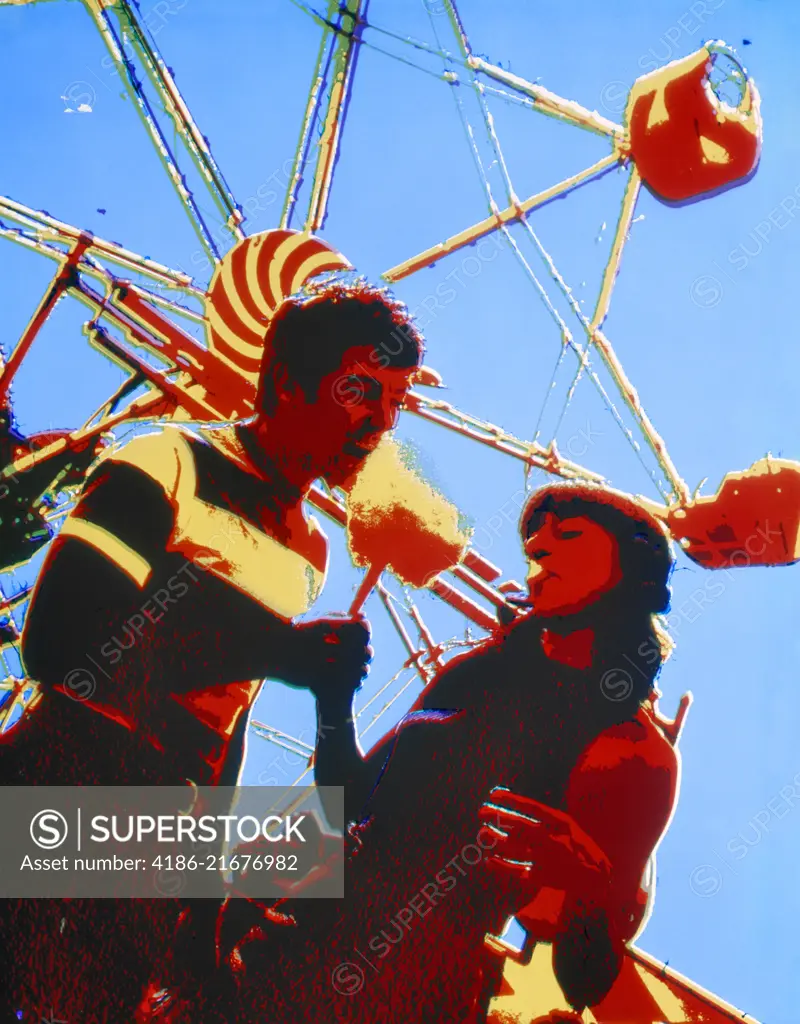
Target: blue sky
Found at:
x=702, y=318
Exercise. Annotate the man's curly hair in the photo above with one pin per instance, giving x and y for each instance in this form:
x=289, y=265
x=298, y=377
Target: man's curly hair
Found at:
x=310, y=335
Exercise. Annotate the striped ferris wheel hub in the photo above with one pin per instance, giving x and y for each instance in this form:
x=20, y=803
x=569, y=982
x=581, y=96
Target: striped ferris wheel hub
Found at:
x=249, y=285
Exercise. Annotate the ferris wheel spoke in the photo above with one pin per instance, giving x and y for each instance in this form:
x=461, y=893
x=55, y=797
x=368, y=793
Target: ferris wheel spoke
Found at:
x=145, y=407
x=40, y=229
x=597, y=339
x=124, y=56
x=603, y=345
x=345, y=56
x=517, y=211
x=621, y=235
x=47, y=304
x=549, y=103
x=566, y=335
x=531, y=452
x=335, y=67
x=281, y=739
x=425, y=635
x=140, y=295
x=13, y=601
x=184, y=123
x=631, y=395
x=416, y=656
x=426, y=661
x=511, y=214
x=13, y=691
x=306, y=128
x=449, y=77
x=378, y=715
x=463, y=603
x=177, y=391
x=204, y=386
x=545, y=101
x=74, y=260
x=480, y=586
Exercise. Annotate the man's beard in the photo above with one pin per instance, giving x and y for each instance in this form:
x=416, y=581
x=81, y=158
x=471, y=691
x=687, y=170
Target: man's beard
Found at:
x=342, y=470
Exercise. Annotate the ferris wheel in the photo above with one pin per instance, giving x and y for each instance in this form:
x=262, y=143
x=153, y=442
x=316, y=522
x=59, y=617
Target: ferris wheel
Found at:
x=190, y=349
x=191, y=352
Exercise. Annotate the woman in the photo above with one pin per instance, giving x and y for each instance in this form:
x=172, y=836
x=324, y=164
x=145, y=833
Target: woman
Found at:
x=550, y=720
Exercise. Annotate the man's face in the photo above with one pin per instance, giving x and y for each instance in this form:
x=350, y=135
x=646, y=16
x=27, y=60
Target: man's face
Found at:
x=355, y=405
x=571, y=563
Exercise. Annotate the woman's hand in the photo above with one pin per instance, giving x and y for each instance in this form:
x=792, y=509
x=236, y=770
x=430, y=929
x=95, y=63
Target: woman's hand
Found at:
x=541, y=846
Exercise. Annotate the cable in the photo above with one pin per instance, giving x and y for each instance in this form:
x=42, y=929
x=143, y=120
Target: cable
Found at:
x=567, y=339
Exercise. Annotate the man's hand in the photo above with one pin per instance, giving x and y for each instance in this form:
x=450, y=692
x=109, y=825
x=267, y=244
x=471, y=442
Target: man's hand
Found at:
x=541, y=846
x=331, y=656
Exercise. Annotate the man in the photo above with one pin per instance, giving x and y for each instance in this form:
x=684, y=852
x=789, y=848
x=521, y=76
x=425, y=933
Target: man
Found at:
x=176, y=578
x=172, y=587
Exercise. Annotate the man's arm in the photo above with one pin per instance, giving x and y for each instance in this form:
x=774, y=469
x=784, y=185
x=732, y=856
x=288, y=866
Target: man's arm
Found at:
x=339, y=760
x=108, y=596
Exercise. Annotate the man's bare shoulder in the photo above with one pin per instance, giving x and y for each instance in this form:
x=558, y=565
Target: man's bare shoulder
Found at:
x=148, y=446
x=159, y=453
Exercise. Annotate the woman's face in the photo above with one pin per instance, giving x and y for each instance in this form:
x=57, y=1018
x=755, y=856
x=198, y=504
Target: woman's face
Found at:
x=571, y=563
